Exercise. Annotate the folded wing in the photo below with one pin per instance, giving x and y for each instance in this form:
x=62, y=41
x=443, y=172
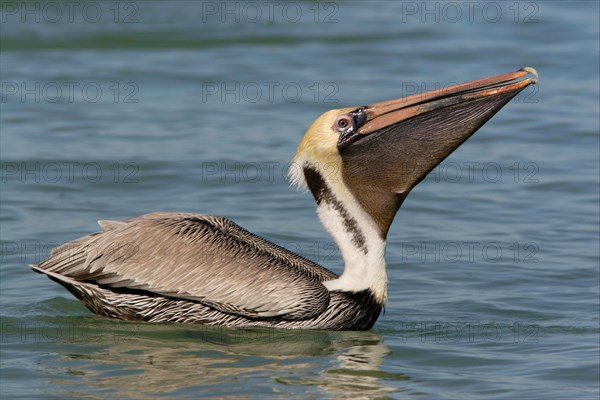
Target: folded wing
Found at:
x=200, y=258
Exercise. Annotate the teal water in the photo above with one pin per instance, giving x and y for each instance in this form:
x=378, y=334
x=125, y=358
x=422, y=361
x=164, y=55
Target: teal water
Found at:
x=493, y=260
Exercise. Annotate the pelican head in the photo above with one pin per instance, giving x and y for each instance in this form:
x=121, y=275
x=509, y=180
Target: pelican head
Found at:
x=360, y=163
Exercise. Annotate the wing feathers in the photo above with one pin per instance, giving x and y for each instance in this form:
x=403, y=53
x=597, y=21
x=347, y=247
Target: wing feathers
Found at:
x=108, y=225
x=200, y=258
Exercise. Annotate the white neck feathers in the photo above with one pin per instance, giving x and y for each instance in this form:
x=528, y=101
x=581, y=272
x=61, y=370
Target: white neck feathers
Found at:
x=356, y=234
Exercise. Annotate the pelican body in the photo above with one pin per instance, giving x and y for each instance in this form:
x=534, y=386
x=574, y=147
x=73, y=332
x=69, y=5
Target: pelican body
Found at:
x=359, y=163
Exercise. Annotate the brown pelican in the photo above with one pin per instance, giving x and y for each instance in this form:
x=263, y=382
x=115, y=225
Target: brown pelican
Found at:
x=360, y=163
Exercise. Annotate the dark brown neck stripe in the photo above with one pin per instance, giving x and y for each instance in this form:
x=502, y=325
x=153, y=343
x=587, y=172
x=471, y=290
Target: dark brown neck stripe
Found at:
x=323, y=193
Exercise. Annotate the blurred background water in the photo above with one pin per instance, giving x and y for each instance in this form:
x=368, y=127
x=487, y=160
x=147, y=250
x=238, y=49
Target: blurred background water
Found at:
x=113, y=109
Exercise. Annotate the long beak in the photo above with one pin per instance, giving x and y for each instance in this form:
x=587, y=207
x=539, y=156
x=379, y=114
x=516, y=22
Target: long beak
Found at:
x=386, y=113
x=401, y=141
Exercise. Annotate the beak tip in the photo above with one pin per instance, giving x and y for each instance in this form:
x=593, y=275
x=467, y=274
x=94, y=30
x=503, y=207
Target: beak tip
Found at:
x=532, y=71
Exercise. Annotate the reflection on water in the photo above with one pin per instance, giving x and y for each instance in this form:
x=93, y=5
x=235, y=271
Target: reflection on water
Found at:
x=136, y=360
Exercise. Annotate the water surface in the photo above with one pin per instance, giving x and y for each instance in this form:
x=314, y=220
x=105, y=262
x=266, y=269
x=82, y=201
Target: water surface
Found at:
x=492, y=261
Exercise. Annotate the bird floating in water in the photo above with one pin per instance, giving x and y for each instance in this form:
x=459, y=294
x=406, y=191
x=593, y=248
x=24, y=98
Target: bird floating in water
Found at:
x=360, y=163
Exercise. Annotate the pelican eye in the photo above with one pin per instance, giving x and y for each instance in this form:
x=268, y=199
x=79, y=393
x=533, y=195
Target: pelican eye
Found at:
x=344, y=122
